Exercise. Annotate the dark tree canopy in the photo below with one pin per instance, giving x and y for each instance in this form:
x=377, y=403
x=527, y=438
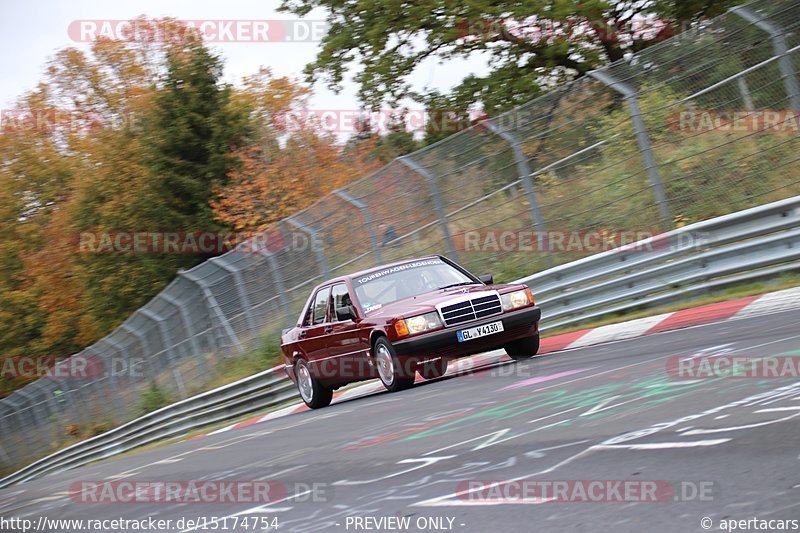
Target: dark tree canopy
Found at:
x=530, y=44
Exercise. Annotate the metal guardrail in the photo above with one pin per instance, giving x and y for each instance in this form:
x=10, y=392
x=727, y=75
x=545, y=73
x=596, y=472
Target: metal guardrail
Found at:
x=758, y=242
x=265, y=389
x=607, y=150
x=755, y=243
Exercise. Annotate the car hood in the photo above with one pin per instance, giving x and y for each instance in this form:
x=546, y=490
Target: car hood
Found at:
x=426, y=302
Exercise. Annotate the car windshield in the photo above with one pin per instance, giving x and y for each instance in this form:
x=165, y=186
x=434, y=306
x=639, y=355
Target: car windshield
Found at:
x=388, y=285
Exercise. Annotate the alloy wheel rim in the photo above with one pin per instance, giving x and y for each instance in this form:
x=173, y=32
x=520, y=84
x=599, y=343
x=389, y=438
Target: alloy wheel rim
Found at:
x=385, y=365
x=304, y=383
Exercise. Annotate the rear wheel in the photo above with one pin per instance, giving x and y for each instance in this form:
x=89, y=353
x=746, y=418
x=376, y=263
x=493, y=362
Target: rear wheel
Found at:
x=523, y=348
x=311, y=391
x=433, y=369
x=389, y=368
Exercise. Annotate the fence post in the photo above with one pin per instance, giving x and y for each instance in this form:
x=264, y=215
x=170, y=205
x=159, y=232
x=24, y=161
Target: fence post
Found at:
x=147, y=349
x=24, y=428
x=524, y=173
x=68, y=394
x=780, y=49
x=744, y=90
x=5, y=429
x=169, y=348
x=32, y=420
x=365, y=214
x=437, y=202
x=187, y=325
x=119, y=406
x=30, y=401
x=642, y=139
x=277, y=278
x=214, y=309
x=239, y=283
x=322, y=261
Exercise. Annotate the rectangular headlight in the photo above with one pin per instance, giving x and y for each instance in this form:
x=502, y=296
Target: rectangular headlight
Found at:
x=418, y=324
x=516, y=299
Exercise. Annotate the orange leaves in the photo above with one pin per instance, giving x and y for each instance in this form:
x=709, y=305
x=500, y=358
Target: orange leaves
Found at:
x=272, y=185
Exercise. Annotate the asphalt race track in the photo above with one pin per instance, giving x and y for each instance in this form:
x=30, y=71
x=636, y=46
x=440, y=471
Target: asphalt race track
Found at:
x=725, y=448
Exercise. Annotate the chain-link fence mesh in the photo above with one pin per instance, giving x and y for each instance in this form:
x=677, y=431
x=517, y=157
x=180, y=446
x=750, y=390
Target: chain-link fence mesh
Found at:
x=700, y=125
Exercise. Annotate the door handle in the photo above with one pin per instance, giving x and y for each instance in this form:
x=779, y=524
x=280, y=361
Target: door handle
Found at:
x=328, y=329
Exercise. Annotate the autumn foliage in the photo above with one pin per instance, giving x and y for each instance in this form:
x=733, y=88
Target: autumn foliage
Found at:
x=271, y=185
x=147, y=138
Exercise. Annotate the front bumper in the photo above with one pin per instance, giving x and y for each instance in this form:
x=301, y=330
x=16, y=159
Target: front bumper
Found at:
x=444, y=342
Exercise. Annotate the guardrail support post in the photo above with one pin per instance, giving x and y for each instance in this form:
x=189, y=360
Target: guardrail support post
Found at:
x=780, y=49
x=437, y=202
x=642, y=139
x=322, y=261
x=524, y=172
x=214, y=309
x=169, y=348
x=365, y=214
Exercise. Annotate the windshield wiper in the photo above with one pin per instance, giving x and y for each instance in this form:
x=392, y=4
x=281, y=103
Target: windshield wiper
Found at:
x=458, y=284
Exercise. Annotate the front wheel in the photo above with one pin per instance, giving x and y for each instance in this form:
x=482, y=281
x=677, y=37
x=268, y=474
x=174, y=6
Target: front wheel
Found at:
x=522, y=349
x=389, y=368
x=433, y=369
x=311, y=391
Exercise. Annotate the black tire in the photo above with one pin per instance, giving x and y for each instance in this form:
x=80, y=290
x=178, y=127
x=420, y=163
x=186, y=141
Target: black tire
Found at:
x=433, y=369
x=311, y=391
x=522, y=349
x=390, y=371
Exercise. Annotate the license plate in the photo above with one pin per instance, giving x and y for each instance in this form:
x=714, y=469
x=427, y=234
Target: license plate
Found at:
x=479, y=331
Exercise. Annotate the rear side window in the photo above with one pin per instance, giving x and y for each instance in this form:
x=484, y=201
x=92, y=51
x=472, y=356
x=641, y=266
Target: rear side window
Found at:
x=320, y=306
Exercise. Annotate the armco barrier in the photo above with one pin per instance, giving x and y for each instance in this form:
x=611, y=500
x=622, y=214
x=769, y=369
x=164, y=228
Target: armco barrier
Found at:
x=755, y=243
x=700, y=125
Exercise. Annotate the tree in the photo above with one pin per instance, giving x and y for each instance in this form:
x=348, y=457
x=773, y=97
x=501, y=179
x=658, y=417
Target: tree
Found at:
x=192, y=131
x=530, y=45
x=269, y=186
x=143, y=133
x=397, y=141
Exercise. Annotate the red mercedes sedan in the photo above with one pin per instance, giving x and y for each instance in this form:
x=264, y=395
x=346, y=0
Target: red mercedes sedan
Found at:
x=395, y=320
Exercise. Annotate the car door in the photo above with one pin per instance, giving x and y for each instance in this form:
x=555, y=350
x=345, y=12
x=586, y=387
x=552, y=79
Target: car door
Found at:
x=312, y=333
x=346, y=345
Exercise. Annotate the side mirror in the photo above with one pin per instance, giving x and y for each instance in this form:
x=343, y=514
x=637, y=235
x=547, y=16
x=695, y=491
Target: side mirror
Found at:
x=487, y=279
x=347, y=312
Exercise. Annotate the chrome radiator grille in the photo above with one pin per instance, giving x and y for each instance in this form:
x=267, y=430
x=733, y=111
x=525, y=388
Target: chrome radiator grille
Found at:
x=473, y=309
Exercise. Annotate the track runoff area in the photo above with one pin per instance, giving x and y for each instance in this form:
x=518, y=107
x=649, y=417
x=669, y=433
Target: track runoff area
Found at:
x=695, y=429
